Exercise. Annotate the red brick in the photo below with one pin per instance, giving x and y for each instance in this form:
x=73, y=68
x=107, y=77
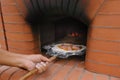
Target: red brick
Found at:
x=6, y=2
x=1, y=34
x=10, y=9
x=8, y=73
x=1, y=26
x=3, y=68
x=24, y=28
x=26, y=45
x=22, y=6
x=65, y=71
x=59, y=64
x=76, y=73
x=18, y=74
x=114, y=78
x=2, y=42
x=110, y=7
x=105, y=34
x=87, y=76
x=22, y=51
x=13, y=19
x=92, y=8
x=102, y=68
x=81, y=64
x=101, y=1
x=111, y=21
x=3, y=47
x=21, y=36
x=1, y=23
x=0, y=19
x=101, y=45
x=54, y=68
x=101, y=77
x=103, y=57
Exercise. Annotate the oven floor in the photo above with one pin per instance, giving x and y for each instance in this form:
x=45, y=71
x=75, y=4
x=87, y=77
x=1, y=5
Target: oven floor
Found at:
x=61, y=69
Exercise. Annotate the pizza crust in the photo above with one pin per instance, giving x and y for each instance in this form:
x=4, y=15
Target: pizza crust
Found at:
x=66, y=47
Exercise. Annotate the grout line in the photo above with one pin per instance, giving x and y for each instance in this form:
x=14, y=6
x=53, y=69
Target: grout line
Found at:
x=12, y=74
x=22, y=40
x=102, y=63
x=19, y=32
x=109, y=78
x=4, y=71
x=69, y=72
x=98, y=9
x=110, y=13
x=105, y=52
x=24, y=49
x=108, y=27
x=105, y=40
x=12, y=14
x=57, y=70
x=14, y=22
x=81, y=76
x=94, y=74
x=10, y=4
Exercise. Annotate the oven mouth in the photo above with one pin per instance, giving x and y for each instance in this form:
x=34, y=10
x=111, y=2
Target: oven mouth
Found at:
x=63, y=30
x=44, y=16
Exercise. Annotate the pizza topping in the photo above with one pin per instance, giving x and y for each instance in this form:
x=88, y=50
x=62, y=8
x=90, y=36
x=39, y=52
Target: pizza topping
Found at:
x=69, y=47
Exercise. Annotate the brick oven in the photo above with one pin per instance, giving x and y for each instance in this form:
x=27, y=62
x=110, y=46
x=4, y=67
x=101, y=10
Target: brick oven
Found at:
x=26, y=25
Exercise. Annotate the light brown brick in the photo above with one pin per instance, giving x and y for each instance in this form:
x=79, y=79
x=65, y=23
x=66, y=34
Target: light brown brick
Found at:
x=104, y=57
x=26, y=45
x=105, y=34
x=21, y=36
x=10, y=9
x=110, y=7
x=111, y=21
x=92, y=8
x=13, y=19
x=102, y=45
x=21, y=28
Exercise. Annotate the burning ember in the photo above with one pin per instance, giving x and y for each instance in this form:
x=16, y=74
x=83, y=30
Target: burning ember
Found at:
x=74, y=34
x=73, y=37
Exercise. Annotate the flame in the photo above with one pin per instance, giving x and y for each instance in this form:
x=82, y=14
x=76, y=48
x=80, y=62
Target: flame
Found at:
x=75, y=34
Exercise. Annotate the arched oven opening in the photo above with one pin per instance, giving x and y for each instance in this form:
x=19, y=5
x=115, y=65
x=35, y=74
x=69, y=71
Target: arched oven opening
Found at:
x=58, y=21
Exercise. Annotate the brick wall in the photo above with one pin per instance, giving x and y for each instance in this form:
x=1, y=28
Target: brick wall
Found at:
x=18, y=33
x=2, y=33
x=103, y=47
x=18, y=36
x=103, y=53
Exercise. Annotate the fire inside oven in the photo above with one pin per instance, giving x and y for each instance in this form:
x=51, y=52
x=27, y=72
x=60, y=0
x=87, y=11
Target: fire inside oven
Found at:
x=65, y=30
x=58, y=21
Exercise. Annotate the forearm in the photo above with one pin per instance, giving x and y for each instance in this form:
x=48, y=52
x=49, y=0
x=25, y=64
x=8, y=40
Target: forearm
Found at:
x=11, y=59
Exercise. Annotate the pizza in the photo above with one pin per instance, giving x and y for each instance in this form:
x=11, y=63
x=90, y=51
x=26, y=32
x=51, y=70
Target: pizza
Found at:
x=69, y=47
x=64, y=50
